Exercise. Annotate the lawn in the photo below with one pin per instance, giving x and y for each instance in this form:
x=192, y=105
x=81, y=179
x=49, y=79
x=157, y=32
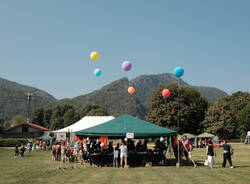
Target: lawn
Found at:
x=37, y=168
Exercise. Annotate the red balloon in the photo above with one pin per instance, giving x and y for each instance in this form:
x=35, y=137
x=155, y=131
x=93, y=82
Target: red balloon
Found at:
x=165, y=93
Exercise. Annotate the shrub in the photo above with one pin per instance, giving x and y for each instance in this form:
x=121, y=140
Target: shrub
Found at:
x=11, y=142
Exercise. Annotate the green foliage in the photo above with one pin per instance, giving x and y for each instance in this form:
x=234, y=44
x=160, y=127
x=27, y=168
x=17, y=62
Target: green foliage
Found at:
x=47, y=116
x=37, y=116
x=64, y=115
x=243, y=118
x=221, y=116
x=13, y=99
x=16, y=120
x=93, y=110
x=70, y=117
x=57, y=117
x=114, y=97
x=164, y=111
x=11, y=142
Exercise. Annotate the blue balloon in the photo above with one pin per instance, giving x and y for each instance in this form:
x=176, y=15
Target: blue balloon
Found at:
x=97, y=72
x=178, y=72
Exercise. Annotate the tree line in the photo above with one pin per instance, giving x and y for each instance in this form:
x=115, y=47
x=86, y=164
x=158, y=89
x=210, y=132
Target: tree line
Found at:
x=228, y=117
x=60, y=116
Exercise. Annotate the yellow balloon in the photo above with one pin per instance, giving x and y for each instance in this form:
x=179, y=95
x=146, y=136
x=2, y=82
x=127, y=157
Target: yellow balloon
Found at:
x=94, y=56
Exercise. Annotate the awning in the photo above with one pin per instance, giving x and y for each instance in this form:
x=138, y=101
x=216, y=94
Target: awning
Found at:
x=189, y=136
x=85, y=122
x=45, y=137
x=206, y=135
x=120, y=126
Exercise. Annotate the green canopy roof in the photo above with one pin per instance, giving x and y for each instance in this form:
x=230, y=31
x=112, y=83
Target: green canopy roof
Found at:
x=45, y=137
x=189, y=136
x=121, y=125
x=206, y=135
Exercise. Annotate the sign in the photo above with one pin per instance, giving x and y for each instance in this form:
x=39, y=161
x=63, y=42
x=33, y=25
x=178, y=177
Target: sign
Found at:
x=130, y=135
x=60, y=136
x=248, y=133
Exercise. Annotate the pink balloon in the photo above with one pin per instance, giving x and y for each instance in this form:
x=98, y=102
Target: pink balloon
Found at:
x=165, y=93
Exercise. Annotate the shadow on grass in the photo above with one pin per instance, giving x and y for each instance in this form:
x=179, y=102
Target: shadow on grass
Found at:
x=241, y=166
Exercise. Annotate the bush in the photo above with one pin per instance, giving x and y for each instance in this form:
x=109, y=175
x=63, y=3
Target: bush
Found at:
x=11, y=142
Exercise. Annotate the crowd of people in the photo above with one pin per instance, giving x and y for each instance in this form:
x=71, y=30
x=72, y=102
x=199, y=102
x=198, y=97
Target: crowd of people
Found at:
x=32, y=146
x=81, y=150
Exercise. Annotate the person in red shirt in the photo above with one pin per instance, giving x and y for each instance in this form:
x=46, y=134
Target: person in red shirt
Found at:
x=37, y=144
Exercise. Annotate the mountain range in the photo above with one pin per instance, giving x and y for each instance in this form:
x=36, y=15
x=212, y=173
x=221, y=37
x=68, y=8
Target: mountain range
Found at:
x=114, y=96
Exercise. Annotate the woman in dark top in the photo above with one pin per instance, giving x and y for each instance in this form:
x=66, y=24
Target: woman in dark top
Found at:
x=227, y=154
x=210, y=153
x=22, y=150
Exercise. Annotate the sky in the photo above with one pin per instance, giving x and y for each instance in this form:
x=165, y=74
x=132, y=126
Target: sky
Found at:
x=46, y=44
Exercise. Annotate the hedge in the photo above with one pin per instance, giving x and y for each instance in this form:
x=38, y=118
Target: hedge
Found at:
x=11, y=142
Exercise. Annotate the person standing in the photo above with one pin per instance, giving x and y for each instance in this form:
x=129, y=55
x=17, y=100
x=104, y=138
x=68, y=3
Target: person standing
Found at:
x=210, y=153
x=187, y=148
x=76, y=150
x=16, y=151
x=22, y=150
x=227, y=154
x=124, y=154
x=34, y=147
x=58, y=152
x=63, y=153
x=53, y=152
x=29, y=147
x=116, y=155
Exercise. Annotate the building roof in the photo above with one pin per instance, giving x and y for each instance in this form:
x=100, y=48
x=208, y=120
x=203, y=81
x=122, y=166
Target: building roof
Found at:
x=28, y=124
x=85, y=122
x=121, y=125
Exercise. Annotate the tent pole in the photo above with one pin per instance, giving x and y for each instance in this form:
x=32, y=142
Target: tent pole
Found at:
x=178, y=122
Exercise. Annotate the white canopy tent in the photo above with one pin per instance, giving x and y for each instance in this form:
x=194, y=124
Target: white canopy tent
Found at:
x=84, y=123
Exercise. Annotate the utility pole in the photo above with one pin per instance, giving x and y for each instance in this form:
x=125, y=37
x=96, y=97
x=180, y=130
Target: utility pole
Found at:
x=29, y=98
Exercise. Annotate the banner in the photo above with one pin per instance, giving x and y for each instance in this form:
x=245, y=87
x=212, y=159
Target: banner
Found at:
x=130, y=135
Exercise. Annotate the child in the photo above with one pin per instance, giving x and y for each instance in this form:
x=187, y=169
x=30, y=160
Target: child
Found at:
x=22, y=150
x=81, y=156
x=34, y=147
x=53, y=152
x=116, y=154
x=16, y=151
x=29, y=147
x=37, y=144
x=75, y=155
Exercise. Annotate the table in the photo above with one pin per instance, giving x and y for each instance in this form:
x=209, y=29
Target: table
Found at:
x=134, y=159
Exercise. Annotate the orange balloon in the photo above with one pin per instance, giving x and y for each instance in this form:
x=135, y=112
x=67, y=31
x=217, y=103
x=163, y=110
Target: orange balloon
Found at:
x=131, y=90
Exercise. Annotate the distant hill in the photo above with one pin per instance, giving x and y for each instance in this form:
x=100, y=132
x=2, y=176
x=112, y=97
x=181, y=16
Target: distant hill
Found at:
x=13, y=99
x=116, y=99
x=146, y=84
x=211, y=93
x=114, y=96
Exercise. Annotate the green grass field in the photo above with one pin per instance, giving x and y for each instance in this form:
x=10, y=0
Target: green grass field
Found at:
x=37, y=168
